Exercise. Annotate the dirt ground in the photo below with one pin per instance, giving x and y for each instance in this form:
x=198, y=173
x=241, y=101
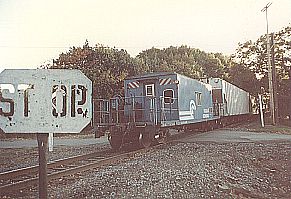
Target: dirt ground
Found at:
x=196, y=169
x=256, y=127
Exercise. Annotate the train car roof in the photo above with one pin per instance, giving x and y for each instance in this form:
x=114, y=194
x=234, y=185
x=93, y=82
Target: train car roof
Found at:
x=161, y=74
x=149, y=75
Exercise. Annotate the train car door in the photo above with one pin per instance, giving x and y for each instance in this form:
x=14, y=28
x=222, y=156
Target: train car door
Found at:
x=169, y=105
x=217, y=102
x=150, y=103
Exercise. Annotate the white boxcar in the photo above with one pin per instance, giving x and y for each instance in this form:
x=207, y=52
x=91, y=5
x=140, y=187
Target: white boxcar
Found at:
x=235, y=100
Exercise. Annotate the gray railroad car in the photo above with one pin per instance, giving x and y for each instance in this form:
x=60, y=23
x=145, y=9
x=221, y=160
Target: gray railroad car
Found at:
x=154, y=102
x=168, y=99
x=229, y=101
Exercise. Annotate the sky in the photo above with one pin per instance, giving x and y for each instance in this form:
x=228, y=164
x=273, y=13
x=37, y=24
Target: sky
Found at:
x=33, y=32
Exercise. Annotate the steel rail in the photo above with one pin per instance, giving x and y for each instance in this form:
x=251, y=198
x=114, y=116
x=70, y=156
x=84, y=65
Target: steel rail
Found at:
x=69, y=171
x=76, y=169
x=28, y=170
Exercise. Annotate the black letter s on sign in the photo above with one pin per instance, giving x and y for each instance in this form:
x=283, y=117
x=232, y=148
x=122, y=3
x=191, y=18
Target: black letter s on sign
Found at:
x=11, y=105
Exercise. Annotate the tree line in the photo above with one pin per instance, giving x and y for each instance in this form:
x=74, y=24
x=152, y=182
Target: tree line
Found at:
x=247, y=68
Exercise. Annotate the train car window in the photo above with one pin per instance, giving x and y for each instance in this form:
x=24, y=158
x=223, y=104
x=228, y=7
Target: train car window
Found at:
x=149, y=90
x=168, y=96
x=198, y=98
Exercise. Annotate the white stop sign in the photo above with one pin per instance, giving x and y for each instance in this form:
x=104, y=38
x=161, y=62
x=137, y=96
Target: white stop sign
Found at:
x=44, y=101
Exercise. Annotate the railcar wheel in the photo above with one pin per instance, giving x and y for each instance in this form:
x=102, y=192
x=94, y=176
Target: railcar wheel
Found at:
x=144, y=140
x=115, y=141
x=163, y=136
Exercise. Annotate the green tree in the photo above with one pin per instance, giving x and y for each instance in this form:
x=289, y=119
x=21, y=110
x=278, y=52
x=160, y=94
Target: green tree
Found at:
x=253, y=56
x=243, y=77
x=106, y=67
x=184, y=60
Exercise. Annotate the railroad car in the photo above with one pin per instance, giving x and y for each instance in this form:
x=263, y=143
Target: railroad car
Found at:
x=230, y=102
x=155, y=102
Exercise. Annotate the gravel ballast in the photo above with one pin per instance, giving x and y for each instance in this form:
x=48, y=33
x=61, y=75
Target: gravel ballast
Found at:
x=187, y=170
x=12, y=159
x=192, y=170
x=183, y=170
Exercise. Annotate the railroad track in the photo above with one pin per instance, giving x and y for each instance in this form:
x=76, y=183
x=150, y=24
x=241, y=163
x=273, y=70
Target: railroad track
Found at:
x=20, y=178
x=25, y=177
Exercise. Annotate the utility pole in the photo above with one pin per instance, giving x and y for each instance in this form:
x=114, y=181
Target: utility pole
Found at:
x=272, y=107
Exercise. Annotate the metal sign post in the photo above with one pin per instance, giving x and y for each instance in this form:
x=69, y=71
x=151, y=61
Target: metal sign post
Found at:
x=50, y=142
x=261, y=111
x=43, y=101
x=42, y=140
